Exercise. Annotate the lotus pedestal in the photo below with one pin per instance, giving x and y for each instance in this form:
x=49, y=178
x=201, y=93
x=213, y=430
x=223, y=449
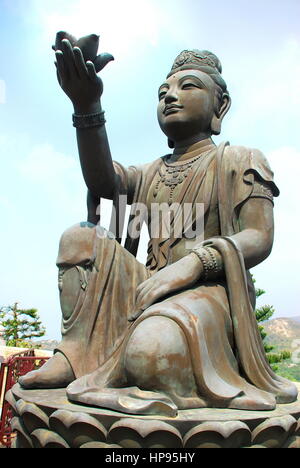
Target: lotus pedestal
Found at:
x=45, y=418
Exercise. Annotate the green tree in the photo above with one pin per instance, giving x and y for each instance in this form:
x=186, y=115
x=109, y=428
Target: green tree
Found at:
x=264, y=313
x=20, y=326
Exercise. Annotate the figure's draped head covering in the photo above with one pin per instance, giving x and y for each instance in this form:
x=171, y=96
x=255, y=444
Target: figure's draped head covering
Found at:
x=202, y=60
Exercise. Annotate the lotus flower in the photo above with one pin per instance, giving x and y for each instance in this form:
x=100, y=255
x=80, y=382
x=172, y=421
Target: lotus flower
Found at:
x=89, y=48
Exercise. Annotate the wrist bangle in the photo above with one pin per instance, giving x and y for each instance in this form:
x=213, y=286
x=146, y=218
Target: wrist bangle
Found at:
x=88, y=120
x=211, y=267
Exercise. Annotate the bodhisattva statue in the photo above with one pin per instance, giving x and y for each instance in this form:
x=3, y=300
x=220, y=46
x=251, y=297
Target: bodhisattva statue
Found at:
x=180, y=332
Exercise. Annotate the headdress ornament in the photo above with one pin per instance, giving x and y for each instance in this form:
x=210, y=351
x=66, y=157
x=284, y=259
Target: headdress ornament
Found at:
x=203, y=60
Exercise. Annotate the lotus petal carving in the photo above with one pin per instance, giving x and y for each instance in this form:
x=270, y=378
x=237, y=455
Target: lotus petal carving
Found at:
x=77, y=428
x=214, y=434
x=138, y=433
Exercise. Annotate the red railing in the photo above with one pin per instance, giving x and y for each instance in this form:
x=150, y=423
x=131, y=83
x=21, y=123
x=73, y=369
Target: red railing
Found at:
x=10, y=371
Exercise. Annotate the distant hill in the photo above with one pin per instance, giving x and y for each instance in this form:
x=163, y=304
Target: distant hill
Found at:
x=282, y=331
x=296, y=319
x=284, y=334
x=47, y=344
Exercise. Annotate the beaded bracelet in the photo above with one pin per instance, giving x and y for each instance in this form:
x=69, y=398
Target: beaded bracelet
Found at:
x=88, y=120
x=209, y=262
x=213, y=258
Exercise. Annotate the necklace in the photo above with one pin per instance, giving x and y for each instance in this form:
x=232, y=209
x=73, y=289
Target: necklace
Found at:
x=172, y=175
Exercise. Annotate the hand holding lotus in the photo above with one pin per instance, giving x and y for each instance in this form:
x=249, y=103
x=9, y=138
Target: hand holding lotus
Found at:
x=77, y=65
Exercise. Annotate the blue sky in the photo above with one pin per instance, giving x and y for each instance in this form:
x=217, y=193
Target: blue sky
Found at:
x=42, y=191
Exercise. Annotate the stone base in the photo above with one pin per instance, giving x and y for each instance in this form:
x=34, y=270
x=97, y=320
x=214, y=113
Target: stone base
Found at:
x=45, y=419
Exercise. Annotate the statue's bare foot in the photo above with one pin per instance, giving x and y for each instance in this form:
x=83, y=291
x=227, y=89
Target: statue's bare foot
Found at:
x=259, y=402
x=55, y=373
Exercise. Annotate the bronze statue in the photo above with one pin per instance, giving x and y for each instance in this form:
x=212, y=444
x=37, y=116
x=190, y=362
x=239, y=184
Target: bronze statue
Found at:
x=180, y=332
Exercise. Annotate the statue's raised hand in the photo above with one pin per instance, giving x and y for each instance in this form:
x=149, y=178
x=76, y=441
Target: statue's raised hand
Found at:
x=77, y=65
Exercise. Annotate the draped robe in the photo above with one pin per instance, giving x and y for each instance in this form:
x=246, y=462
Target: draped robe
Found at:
x=216, y=317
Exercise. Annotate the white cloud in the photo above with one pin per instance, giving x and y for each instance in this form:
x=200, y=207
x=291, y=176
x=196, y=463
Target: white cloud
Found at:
x=285, y=163
x=121, y=24
x=56, y=176
x=42, y=194
x=277, y=85
x=44, y=163
x=5, y=202
x=266, y=94
x=279, y=274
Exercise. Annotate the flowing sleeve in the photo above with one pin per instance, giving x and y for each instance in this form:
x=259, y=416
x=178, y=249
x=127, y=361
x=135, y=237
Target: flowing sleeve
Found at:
x=260, y=176
x=248, y=174
x=126, y=183
x=242, y=173
x=127, y=180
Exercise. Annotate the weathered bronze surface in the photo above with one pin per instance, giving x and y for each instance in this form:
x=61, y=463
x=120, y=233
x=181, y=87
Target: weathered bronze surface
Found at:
x=179, y=333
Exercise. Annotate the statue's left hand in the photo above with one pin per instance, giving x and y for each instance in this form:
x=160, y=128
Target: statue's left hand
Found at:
x=180, y=275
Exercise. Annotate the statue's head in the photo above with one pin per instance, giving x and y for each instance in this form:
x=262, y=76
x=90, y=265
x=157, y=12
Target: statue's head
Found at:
x=194, y=97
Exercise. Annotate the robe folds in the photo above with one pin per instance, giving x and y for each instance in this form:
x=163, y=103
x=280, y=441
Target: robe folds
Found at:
x=216, y=317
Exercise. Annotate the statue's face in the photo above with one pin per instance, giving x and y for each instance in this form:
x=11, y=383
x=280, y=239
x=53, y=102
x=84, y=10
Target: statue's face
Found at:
x=186, y=104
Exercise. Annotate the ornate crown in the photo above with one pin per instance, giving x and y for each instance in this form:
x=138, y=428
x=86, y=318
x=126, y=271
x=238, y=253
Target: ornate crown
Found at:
x=198, y=59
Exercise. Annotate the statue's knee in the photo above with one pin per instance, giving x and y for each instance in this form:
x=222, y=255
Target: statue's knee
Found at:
x=76, y=256
x=157, y=354
x=77, y=253
x=155, y=339
x=77, y=245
